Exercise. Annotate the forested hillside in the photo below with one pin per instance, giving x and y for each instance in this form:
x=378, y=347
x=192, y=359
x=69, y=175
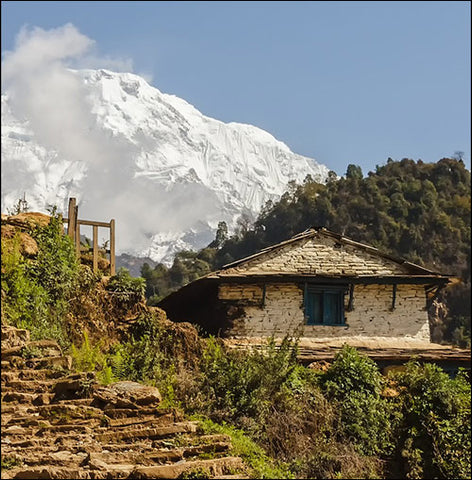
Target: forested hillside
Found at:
x=416, y=210
x=259, y=410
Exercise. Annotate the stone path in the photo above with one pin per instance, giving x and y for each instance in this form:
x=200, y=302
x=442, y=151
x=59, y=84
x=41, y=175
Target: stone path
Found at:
x=58, y=424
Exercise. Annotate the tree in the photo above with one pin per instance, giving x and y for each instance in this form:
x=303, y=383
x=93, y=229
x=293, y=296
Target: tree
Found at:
x=221, y=235
x=354, y=172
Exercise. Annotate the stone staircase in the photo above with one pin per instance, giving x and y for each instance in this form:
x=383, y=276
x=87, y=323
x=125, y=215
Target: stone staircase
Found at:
x=59, y=424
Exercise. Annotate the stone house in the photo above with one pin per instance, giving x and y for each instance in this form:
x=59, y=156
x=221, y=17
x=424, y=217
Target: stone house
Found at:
x=317, y=285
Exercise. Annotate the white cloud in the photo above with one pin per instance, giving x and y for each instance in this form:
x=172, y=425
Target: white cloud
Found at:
x=43, y=89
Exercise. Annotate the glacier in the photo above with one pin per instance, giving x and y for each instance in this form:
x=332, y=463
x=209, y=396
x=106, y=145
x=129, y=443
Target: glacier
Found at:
x=167, y=173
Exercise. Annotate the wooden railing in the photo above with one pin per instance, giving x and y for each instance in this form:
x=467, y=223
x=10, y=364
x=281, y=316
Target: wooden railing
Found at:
x=73, y=230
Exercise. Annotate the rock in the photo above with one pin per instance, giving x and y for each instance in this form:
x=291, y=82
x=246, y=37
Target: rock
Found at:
x=42, y=399
x=74, y=386
x=321, y=365
x=27, y=219
x=64, y=362
x=126, y=395
x=14, y=337
x=95, y=461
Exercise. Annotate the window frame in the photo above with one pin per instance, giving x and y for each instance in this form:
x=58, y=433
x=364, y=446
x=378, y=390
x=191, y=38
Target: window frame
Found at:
x=310, y=290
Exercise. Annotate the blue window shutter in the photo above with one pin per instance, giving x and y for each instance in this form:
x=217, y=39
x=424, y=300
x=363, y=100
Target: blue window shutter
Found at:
x=318, y=302
x=324, y=305
x=330, y=310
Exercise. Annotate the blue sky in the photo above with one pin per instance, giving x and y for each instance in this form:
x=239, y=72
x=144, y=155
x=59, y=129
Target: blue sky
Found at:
x=341, y=82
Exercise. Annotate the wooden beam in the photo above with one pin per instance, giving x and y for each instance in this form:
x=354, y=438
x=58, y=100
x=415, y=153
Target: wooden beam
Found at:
x=430, y=300
x=93, y=223
x=112, y=247
x=71, y=219
x=95, y=248
x=350, y=305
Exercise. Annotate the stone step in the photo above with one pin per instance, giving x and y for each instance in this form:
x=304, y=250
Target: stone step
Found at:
x=19, y=431
x=58, y=362
x=79, y=429
x=61, y=458
x=44, y=386
x=23, y=398
x=83, y=402
x=140, y=422
x=215, y=468
x=24, y=421
x=175, y=455
x=150, y=433
x=12, y=336
x=39, y=348
x=14, y=408
x=145, y=419
x=124, y=413
x=39, y=374
x=80, y=411
x=47, y=472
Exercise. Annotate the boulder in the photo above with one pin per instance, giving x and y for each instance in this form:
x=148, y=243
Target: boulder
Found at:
x=27, y=219
x=126, y=395
x=14, y=337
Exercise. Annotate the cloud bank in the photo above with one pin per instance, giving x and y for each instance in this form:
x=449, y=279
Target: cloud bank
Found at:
x=43, y=88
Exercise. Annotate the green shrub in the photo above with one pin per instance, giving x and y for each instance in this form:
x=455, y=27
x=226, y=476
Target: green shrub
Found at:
x=126, y=289
x=37, y=290
x=91, y=358
x=10, y=461
x=242, y=446
x=55, y=268
x=354, y=382
x=238, y=384
x=146, y=357
x=434, y=433
x=24, y=302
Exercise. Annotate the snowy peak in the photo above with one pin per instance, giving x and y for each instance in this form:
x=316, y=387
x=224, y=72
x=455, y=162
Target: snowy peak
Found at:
x=151, y=160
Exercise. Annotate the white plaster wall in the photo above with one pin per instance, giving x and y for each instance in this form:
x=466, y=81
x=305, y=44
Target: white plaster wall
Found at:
x=372, y=315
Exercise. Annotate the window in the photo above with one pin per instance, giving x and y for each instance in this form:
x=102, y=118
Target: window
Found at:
x=324, y=305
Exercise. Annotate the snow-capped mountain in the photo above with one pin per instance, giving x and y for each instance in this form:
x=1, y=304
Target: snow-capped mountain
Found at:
x=167, y=173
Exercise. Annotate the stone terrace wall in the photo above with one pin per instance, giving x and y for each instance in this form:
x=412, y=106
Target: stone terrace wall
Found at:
x=372, y=315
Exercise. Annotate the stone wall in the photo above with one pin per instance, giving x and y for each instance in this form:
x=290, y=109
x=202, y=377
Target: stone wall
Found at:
x=320, y=255
x=280, y=311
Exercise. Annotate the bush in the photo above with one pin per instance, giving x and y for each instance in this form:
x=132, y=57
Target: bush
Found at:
x=242, y=446
x=279, y=405
x=148, y=356
x=235, y=384
x=55, y=267
x=36, y=290
x=126, y=289
x=90, y=358
x=354, y=382
x=434, y=432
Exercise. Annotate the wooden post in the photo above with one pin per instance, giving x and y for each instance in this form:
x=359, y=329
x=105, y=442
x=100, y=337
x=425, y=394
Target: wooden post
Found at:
x=112, y=247
x=95, y=248
x=350, y=306
x=71, y=219
x=77, y=232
